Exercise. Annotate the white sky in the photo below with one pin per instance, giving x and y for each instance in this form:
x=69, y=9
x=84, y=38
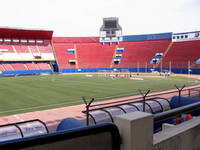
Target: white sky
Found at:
x=84, y=17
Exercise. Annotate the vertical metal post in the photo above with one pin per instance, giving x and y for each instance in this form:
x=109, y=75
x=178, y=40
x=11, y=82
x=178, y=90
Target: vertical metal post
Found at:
x=189, y=93
x=170, y=66
x=179, y=93
x=160, y=67
x=199, y=93
x=146, y=68
x=144, y=99
x=189, y=68
x=87, y=107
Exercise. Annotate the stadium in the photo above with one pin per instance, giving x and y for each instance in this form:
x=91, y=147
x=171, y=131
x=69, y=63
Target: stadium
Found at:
x=111, y=91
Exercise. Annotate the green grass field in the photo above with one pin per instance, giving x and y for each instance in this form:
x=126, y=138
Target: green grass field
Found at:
x=31, y=93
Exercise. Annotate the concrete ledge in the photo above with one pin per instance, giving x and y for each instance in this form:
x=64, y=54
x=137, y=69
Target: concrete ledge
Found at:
x=185, y=136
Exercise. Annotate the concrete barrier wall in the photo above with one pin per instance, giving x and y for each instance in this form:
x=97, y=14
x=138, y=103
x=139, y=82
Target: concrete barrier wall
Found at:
x=185, y=136
x=136, y=130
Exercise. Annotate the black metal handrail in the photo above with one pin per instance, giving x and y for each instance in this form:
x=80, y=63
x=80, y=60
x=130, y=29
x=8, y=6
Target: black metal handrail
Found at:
x=138, y=99
x=176, y=112
x=142, y=99
x=126, y=103
x=51, y=138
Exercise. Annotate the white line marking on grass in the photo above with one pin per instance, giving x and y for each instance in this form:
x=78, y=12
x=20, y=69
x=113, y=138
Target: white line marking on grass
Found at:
x=116, y=96
x=66, y=103
x=36, y=107
x=79, y=101
x=59, y=104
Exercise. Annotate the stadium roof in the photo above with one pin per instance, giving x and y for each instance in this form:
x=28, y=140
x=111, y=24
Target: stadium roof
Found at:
x=25, y=33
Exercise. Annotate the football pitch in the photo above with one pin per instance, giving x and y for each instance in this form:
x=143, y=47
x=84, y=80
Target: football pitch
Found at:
x=32, y=93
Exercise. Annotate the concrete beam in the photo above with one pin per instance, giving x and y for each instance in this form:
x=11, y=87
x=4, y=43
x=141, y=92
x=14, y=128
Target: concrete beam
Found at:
x=136, y=130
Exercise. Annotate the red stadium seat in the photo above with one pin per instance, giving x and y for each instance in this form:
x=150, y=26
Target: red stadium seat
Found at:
x=182, y=52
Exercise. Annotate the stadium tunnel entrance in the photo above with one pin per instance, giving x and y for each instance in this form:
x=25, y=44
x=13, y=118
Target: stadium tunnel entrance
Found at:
x=55, y=66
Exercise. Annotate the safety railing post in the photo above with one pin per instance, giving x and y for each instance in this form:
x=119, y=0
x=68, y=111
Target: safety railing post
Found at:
x=87, y=107
x=144, y=95
x=179, y=93
x=189, y=93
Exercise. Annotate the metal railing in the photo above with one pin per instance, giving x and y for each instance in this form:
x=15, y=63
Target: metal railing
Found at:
x=62, y=139
x=130, y=101
x=165, y=117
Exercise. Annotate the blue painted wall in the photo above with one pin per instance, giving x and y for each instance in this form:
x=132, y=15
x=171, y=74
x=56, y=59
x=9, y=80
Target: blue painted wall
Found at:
x=159, y=36
x=93, y=70
x=25, y=72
